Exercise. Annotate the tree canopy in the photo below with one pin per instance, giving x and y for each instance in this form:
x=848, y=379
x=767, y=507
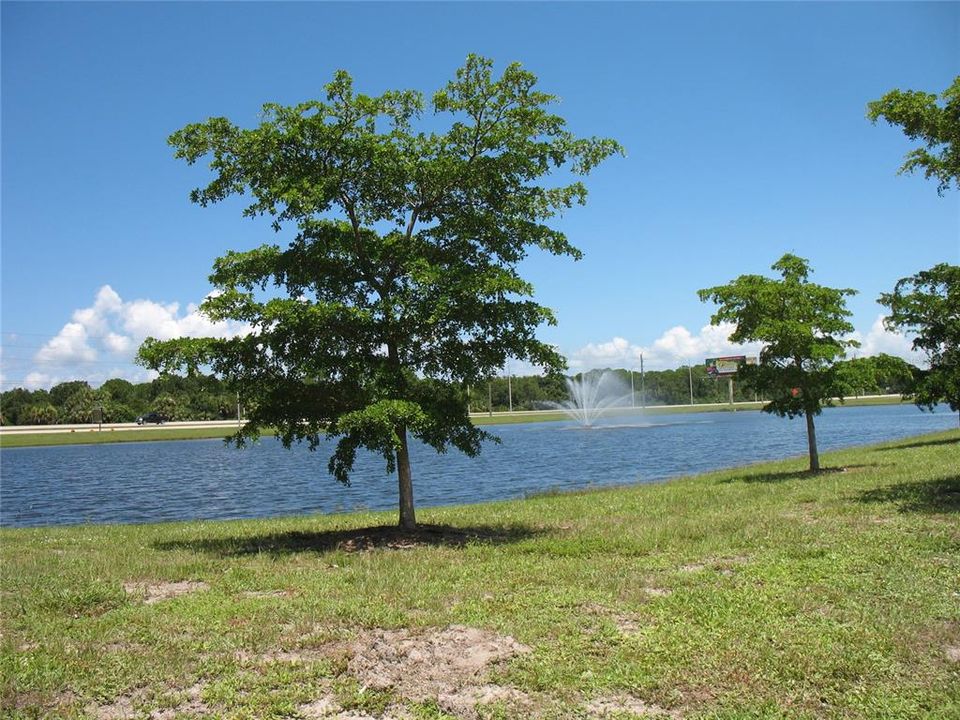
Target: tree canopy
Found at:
x=880, y=373
x=928, y=305
x=400, y=285
x=802, y=327
x=938, y=127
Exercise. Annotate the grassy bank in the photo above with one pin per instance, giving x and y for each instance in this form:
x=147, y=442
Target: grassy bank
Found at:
x=93, y=437
x=760, y=592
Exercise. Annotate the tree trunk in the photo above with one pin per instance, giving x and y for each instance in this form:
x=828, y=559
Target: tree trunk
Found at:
x=812, y=442
x=408, y=520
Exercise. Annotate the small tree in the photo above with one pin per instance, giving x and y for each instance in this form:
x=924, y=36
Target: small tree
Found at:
x=168, y=406
x=44, y=414
x=59, y=394
x=80, y=405
x=928, y=304
x=801, y=325
x=923, y=119
x=400, y=287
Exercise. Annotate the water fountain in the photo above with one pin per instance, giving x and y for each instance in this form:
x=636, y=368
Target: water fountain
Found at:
x=593, y=394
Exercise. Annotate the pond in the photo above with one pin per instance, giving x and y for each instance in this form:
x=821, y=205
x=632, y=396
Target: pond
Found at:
x=205, y=479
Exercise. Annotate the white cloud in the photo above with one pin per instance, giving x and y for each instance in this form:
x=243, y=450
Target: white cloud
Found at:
x=880, y=340
x=37, y=380
x=118, y=344
x=95, y=318
x=676, y=346
x=101, y=340
x=69, y=346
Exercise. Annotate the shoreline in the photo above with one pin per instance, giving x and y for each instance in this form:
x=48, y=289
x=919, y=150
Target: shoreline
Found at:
x=51, y=435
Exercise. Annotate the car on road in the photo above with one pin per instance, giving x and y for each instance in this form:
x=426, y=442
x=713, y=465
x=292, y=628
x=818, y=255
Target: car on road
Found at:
x=151, y=417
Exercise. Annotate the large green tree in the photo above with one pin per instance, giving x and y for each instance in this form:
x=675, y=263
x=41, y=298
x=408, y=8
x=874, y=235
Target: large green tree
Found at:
x=801, y=326
x=928, y=305
x=878, y=373
x=400, y=285
x=936, y=125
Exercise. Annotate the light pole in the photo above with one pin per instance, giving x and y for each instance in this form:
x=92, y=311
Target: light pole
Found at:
x=690, y=375
x=633, y=394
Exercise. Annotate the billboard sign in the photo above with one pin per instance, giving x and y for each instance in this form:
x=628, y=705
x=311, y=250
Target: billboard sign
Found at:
x=726, y=366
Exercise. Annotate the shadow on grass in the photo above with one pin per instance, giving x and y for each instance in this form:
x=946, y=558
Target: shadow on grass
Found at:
x=353, y=540
x=923, y=443
x=787, y=475
x=940, y=495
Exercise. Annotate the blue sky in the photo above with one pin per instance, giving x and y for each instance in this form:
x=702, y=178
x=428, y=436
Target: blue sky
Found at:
x=744, y=126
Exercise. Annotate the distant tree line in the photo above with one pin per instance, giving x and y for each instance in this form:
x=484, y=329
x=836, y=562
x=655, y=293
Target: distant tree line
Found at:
x=204, y=397
x=198, y=397
x=880, y=374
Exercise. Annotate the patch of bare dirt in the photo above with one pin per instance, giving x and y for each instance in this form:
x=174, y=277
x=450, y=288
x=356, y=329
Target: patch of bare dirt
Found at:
x=283, y=656
x=626, y=624
x=723, y=565
x=267, y=593
x=804, y=516
x=125, y=706
x=322, y=707
x=32, y=702
x=656, y=591
x=122, y=708
x=327, y=708
x=448, y=665
x=463, y=703
x=119, y=647
x=729, y=565
x=155, y=592
x=192, y=706
x=420, y=665
x=953, y=654
x=617, y=706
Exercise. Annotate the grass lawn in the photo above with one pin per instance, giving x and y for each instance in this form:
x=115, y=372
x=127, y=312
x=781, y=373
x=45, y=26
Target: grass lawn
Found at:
x=93, y=437
x=761, y=592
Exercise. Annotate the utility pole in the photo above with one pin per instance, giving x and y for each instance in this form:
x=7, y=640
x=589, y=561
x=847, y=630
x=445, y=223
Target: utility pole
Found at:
x=690, y=375
x=509, y=390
